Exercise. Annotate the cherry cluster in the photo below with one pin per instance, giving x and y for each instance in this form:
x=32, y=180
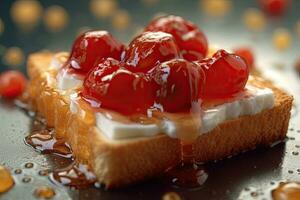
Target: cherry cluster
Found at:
x=166, y=65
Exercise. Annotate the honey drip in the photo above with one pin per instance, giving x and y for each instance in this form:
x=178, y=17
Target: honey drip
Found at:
x=45, y=142
x=287, y=191
x=188, y=173
x=6, y=180
x=76, y=176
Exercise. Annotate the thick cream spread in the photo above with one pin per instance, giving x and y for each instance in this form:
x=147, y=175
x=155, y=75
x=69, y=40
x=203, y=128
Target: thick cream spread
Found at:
x=211, y=117
x=257, y=101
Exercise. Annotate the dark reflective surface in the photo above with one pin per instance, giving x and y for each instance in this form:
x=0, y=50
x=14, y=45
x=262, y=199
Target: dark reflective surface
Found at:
x=249, y=175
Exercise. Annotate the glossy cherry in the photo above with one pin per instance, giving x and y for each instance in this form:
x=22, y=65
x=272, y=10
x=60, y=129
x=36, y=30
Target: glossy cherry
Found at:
x=247, y=54
x=179, y=82
x=149, y=49
x=275, y=7
x=91, y=46
x=226, y=74
x=190, y=39
x=12, y=84
x=118, y=89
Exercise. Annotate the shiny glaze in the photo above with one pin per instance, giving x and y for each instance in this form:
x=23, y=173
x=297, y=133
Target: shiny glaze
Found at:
x=91, y=46
x=150, y=49
x=192, y=42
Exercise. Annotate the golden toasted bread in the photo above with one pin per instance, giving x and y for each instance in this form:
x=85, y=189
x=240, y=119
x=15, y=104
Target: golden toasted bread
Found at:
x=121, y=162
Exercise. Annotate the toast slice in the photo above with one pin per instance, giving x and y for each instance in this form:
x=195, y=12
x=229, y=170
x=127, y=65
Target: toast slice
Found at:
x=121, y=162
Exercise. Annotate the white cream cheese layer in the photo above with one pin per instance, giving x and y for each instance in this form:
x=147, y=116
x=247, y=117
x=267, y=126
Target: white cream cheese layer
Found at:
x=259, y=100
x=66, y=81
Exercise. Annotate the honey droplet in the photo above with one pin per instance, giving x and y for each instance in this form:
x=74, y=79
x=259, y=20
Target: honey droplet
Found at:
x=171, y=196
x=1, y=26
x=18, y=171
x=215, y=8
x=29, y=165
x=44, y=192
x=254, y=19
x=282, y=39
x=26, y=179
x=6, y=180
x=254, y=194
x=26, y=13
x=56, y=18
x=103, y=8
x=287, y=191
x=44, y=172
x=13, y=56
x=121, y=20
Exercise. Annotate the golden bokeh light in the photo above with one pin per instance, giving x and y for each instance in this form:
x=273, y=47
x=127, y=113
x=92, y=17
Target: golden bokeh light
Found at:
x=121, y=20
x=282, y=39
x=216, y=8
x=56, y=18
x=254, y=19
x=171, y=196
x=103, y=8
x=26, y=13
x=13, y=56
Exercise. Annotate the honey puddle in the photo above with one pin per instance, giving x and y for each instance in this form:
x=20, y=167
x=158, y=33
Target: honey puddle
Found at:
x=76, y=176
x=6, y=180
x=287, y=191
x=45, y=142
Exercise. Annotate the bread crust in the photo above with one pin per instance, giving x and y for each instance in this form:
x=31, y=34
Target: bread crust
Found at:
x=123, y=162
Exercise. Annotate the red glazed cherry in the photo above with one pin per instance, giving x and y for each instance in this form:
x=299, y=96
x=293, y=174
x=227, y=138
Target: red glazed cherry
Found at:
x=191, y=41
x=275, y=7
x=247, y=54
x=149, y=49
x=12, y=84
x=91, y=46
x=179, y=82
x=226, y=74
x=118, y=89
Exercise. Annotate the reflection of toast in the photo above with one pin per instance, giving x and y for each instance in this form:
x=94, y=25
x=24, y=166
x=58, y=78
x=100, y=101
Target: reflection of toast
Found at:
x=121, y=162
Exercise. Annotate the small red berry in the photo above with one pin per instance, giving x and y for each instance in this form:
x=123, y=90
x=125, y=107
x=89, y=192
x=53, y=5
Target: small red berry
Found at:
x=247, y=54
x=149, y=49
x=275, y=7
x=179, y=82
x=118, y=89
x=190, y=39
x=91, y=46
x=226, y=74
x=12, y=84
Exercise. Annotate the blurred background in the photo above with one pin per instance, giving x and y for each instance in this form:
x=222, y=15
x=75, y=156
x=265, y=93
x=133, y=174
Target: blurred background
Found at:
x=270, y=28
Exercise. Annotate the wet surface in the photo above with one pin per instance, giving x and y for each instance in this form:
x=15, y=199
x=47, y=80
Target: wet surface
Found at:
x=250, y=175
x=260, y=169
